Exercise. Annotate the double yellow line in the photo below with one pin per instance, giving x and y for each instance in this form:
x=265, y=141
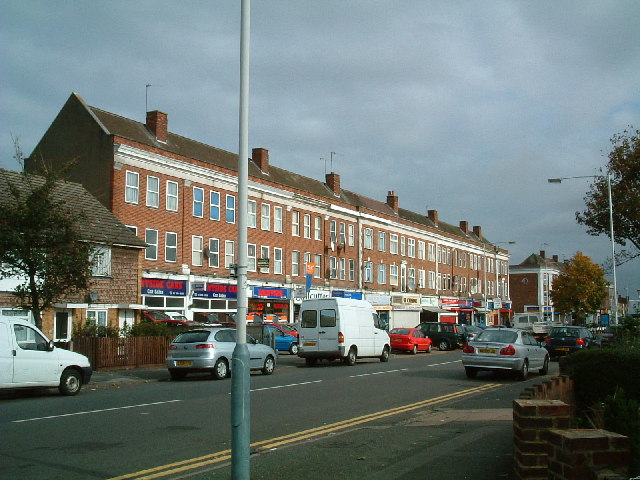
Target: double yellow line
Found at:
x=225, y=455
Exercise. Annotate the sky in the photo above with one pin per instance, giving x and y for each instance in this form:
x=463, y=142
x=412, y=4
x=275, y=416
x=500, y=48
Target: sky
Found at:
x=464, y=107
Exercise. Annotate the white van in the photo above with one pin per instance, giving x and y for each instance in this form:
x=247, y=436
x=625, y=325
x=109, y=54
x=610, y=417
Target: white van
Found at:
x=344, y=328
x=29, y=359
x=525, y=321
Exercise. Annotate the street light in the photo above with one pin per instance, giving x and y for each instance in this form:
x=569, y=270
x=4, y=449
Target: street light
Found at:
x=613, y=243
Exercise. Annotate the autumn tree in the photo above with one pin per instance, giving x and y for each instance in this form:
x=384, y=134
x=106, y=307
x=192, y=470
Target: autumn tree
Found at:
x=624, y=168
x=581, y=289
x=41, y=244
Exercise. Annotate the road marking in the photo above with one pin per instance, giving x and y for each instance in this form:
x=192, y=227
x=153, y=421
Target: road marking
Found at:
x=265, y=445
x=443, y=363
x=379, y=373
x=283, y=386
x=94, y=411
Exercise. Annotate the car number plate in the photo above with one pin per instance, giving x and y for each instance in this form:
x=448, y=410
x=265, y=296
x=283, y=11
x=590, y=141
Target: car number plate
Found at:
x=184, y=363
x=309, y=344
x=563, y=349
x=487, y=350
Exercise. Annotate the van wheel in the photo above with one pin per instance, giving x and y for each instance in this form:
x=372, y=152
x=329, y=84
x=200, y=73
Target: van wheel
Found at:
x=443, y=345
x=350, y=359
x=293, y=348
x=269, y=365
x=220, y=369
x=385, y=355
x=70, y=382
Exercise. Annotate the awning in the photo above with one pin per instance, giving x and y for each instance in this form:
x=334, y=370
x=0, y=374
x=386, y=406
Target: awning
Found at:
x=435, y=309
x=482, y=310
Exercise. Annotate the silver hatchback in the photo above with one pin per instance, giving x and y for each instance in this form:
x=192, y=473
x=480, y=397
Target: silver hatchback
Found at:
x=498, y=348
x=211, y=349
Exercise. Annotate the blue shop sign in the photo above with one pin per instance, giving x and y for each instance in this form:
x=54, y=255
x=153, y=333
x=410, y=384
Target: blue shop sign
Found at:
x=217, y=290
x=268, y=292
x=345, y=294
x=167, y=288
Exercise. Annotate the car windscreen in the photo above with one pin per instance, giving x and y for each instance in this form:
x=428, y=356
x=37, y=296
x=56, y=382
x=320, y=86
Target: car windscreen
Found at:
x=497, y=336
x=400, y=331
x=564, y=332
x=193, y=336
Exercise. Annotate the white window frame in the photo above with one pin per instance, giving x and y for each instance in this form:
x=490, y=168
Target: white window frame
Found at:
x=229, y=253
x=252, y=214
x=352, y=235
x=170, y=246
x=213, y=252
x=382, y=241
x=295, y=223
x=214, y=205
x=151, y=244
x=277, y=219
x=333, y=268
x=318, y=261
x=422, y=278
x=317, y=229
x=132, y=187
x=198, y=202
x=277, y=261
x=230, y=208
x=432, y=280
x=197, y=250
x=264, y=253
x=101, y=261
x=306, y=225
x=411, y=247
x=368, y=239
x=251, y=257
x=393, y=243
x=421, y=250
x=153, y=191
x=342, y=240
x=403, y=247
x=352, y=270
x=171, y=197
x=265, y=217
x=295, y=263
x=342, y=268
x=432, y=252
x=382, y=274
x=393, y=274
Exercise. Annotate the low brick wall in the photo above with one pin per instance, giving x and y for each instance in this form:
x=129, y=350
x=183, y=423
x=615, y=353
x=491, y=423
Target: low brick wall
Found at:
x=545, y=448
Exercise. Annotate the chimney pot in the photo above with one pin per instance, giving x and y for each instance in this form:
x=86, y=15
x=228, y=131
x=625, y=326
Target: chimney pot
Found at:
x=464, y=226
x=333, y=182
x=555, y=258
x=543, y=254
x=157, y=123
x=260, y=156
x=433, y=216
x=392, y=200
x=477, y=230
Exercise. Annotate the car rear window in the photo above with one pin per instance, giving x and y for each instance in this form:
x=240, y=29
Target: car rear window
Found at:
x=498, y=336
x=194, y=336
x=400, y=331
x=564, y=332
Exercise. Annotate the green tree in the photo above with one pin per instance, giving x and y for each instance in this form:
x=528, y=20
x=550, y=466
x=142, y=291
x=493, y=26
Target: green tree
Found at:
x=40, y=241
x=580, y=289
x=624, y=167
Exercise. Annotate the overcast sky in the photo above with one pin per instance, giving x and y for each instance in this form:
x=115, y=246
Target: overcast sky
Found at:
x=465, y=107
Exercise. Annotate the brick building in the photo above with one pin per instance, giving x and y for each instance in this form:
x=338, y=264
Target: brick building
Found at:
x=114, y=294
x=179, y=196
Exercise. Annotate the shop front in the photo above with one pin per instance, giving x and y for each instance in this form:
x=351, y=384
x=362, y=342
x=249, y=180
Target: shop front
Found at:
x=273, y=304
x=165, y=294
x=214, y=302
x=405, y=310
x=382, y=306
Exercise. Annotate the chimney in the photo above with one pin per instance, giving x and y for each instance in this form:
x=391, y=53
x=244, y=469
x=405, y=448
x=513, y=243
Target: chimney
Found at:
x=464, y=226
x=333, y=182
x=157, y=123
x=260, y=157
x=543, y=254
x=433, y=216
x=477, y=230
x=392, y=200
x=555, y=258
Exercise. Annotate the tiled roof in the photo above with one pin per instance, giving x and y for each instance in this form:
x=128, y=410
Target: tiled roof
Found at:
x=101, y=225
x=538, y=261
x=138, y=132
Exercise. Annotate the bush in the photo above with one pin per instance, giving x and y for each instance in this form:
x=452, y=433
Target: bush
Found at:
x=153, y=329
x=92, y=330
x=622, y=415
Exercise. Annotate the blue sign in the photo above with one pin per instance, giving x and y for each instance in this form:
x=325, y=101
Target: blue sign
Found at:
x=217, y=290
x=167, y=288
x=268, y=292
x=345, y=294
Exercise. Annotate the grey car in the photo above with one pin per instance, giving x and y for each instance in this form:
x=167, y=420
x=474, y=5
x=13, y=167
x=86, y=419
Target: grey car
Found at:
x=211, y=349
x=505, y=349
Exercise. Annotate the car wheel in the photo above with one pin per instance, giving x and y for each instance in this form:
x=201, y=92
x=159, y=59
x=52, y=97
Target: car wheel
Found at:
x=220, y=369
x=443, y=345
x=545, y=366
x=471, y=372
x=523, y=373
x=414, y=350
x=311, y=362
x=177, y=375
x=293, y=348
x=70, y=382
x=385, y=355
x=429, y=349
x=350, y=359
x=269, y=365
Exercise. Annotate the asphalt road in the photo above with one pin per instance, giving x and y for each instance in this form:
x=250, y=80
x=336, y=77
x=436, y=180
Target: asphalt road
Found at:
x=414, y=417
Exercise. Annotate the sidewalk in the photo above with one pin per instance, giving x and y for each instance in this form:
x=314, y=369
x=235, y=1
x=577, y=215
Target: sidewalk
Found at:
x=118, y=378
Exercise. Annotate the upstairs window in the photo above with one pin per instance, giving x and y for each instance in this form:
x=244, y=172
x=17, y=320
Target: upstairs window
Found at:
x=132, y=186
x=101, y=261
x=214, y=205
x=153, y=192
x=172, y=196
x=231, y=209
x=198, y=202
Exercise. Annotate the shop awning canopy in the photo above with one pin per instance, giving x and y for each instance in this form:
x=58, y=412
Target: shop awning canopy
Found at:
x=436, y=310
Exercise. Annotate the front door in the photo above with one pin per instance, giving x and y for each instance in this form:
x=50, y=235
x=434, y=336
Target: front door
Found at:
x=32, y=362
x=63, y=327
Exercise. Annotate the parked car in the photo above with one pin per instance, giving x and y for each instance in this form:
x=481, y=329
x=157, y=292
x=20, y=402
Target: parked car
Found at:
x=271, y=334
x=409, y=340
x=447, y=336
x=211, y=349
x=506, y=349
x=173, y=320
x=472, y=331
x=288, y=328
x=566, y=339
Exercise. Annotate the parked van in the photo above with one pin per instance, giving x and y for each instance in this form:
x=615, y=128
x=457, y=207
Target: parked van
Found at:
x=341, y=328
x=29, y=359
x=525, y=321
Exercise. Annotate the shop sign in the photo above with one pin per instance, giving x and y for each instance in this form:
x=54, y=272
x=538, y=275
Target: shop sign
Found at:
x=497, y=303
x=345, y=294
x=378, y=300
x=164, y=287
x=217, y=290
x=405, y=300
x=429, y=302
x=263, y=262
x=267, y=292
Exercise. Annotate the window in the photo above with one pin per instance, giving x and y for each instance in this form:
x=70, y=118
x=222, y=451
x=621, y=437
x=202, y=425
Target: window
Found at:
x=393, y=243
x=172, y=196
x=382, y=273
x=151, y=238
x=264, y=253
x=153, y=192
x=412, y=278
x=352, y=270
x=134, y=229
x=422, y=279
x=393, y=275
x=317, y=230
x=403, y=249
x=328, y=318
x=196, y=250
x=198, y=202
x=439, y=254
x=333, y=235
x=131, y=188
x=318, y=262
x=343, y=234
x=343, y=264
x=231, y=209
x=432, y=252
x=368, y=238
x=97, y=318
x=213, y=253
x=333, y=270
x=101, y=261
x=411, y=247
x=295, y=223
x=214, y=205
x=432, y=280
x=265, y=218
x=251, y=257
x=229, y=253
x=277, y=219
x=171, y=247
x=367, y=272
x=382, y=241
x=421, y=250
x=295, y=263
x=307, y=226
x=352, y=235
x=277, y=261
x=252, y=214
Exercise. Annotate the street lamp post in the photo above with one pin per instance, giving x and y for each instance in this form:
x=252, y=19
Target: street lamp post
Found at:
x=614, y=307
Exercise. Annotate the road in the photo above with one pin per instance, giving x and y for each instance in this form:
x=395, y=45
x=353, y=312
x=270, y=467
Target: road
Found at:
x=182, y=429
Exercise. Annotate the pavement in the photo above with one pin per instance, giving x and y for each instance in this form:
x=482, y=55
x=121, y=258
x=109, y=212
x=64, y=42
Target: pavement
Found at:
x=469, y=439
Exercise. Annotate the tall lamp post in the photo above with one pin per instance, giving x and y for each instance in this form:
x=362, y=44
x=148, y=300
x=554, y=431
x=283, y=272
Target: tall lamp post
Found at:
x=613, y=243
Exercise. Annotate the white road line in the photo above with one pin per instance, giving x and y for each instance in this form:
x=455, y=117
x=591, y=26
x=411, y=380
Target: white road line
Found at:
x=94, y=411
x=378, y=373
x=444, y=363
x=284, y=386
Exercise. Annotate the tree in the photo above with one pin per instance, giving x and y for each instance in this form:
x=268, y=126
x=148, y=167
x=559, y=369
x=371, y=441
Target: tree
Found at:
x=624, y=167
x=40, y=241
x=580, y=289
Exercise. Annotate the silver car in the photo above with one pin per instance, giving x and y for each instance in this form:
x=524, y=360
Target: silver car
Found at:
x=211, y=349
x=499, y=348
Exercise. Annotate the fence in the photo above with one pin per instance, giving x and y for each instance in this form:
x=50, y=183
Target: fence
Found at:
x=122, y=352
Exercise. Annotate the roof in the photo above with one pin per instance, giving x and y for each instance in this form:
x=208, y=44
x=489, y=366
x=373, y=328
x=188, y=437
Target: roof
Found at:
x=101, y=225
x=538, y=261
x=179, y=145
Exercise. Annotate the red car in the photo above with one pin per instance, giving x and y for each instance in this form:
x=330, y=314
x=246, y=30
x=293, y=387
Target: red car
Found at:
x=410, y=340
